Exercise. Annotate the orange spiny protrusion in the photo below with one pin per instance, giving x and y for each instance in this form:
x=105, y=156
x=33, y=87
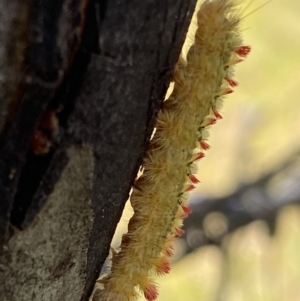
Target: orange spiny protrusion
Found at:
x=193, y=179
x=178, y=231
x=204, y=145
x=169, y=246
x=197, y=156
x=183, y=212
x=187, y=210
x=243, y=51
x=225, y=91
x=208, y=121
x=231, y=82
x=180, y=214
x=162, y=266
x=188, y=187
x=150, y=291
x=217, y=114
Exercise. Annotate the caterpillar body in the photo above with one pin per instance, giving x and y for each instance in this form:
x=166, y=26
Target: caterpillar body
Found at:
x=159, y=197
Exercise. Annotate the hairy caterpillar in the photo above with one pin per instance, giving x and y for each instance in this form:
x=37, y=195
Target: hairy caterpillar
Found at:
x=159, y=197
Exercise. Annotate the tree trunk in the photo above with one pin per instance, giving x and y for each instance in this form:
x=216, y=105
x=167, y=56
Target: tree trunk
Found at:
x=100, y=70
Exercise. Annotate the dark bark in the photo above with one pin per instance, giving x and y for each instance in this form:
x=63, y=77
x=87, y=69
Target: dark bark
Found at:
x=104, y=70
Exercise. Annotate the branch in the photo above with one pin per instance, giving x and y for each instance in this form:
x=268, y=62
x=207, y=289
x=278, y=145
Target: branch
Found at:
x=213, y=219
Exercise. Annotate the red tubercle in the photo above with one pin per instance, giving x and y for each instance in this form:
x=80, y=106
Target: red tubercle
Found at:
x=231, y=82
x=169, y=251
x=163, y=266
x=204, y=145
x=209, y=121
x=193, y=179
x=212, y=121
x=183, y=212
x=243, y=51
x=169, y=246
x=178, y=231
x=217, y=114
x=188, y=188
x=187, y=210
x=197, y=156
x=150, y=291
x=180, y=215
x=225, y=91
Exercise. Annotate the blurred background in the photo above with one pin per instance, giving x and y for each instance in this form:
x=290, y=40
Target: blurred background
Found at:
x=242, y=240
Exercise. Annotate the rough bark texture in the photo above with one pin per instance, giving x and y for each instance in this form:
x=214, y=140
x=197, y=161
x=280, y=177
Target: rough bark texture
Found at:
x=58, y=211
x=47, y=261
